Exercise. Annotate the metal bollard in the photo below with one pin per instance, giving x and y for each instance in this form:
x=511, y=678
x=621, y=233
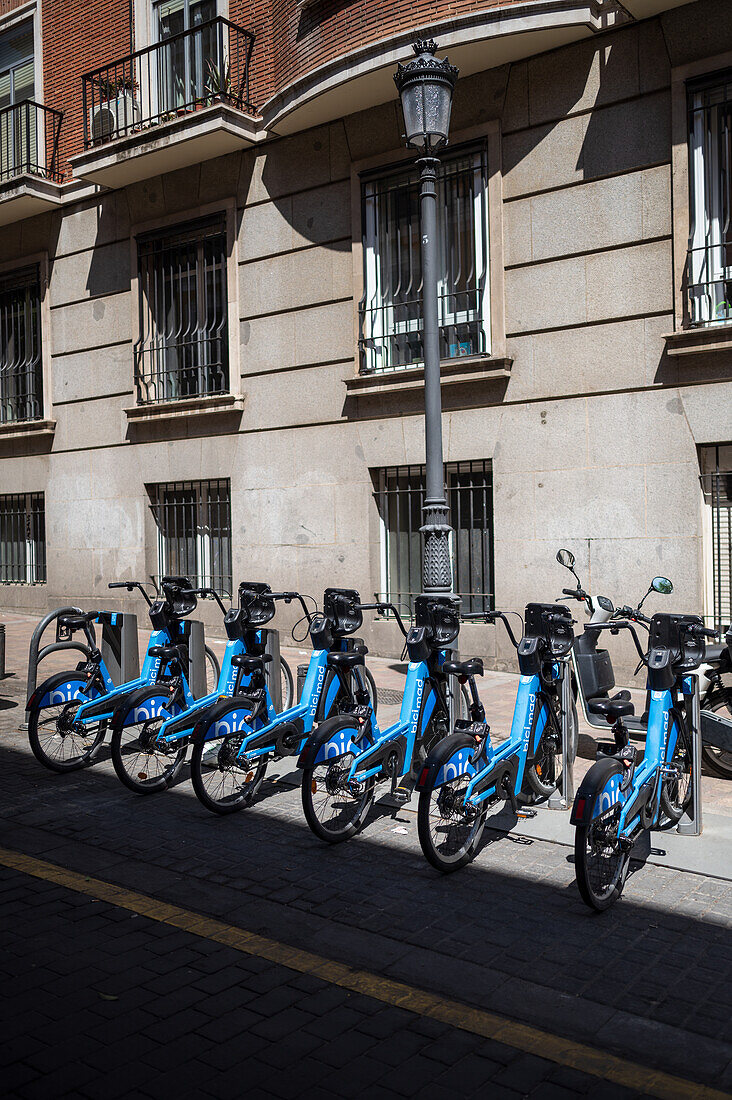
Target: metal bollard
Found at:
x=2, y=650
x=562, y=799
x=273, y=672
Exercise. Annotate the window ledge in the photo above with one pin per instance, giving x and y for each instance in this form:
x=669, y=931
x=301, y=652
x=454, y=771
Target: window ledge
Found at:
x=25, y=429
x=220, y=404
x=470, y=370
x=699, y=341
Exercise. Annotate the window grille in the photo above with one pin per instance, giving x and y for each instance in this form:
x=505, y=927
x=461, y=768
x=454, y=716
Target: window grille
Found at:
x=193, y=519
x=400, y=499
x=21, y=369
x=716, y=480
x=183, y=348
x=391, y=308
x=709, y=263
x=22, y=539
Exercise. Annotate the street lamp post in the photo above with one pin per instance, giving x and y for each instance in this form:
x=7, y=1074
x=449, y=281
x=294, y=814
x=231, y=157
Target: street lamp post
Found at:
x=425, y=87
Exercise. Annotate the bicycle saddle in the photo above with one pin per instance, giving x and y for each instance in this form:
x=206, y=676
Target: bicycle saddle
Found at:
x=169, y=653
x=76, y=621
x=249, y=663
x=471, y=667
x=352, y=659
x=620, y=706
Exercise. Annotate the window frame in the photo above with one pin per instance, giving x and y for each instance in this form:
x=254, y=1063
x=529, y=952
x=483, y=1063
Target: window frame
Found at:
x=490, y=134
x=416, y=472
x=201, y=489
x=39, y=259
x=30, y=564
x=139, y=229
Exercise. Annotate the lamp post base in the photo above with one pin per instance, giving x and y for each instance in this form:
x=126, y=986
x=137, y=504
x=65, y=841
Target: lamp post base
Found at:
x=436, y=565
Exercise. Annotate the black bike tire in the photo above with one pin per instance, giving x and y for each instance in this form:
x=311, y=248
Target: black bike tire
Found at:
x=425, y=836
x=330, y=674
x=76, y=765
x=589, y=897
x=719, y=700
x=286, y=674
x=210, y=804
x=543, y=790
x=162, y=782
x=311, y=816
x=213, y=660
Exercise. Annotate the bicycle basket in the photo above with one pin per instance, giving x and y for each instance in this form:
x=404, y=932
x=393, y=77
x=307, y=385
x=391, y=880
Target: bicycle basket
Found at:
x=338, y=607
x=173, y=589
x=441, y=616
x=256, y=603
x=555, y=629
x=666, y=632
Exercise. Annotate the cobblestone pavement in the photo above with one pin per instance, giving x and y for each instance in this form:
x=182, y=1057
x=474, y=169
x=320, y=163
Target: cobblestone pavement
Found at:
x=99, y=1001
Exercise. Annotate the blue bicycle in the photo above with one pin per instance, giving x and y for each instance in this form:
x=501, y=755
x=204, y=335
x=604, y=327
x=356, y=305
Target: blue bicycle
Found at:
x=236, y=739
x=151, y=730
x=464, y=774
x=68, y=714
x=627, y=792
x=348, y=755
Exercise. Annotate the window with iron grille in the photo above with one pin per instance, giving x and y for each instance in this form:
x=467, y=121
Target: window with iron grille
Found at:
x=709, y=263
x=391, y=308
x=400, y=498
x=21, y=368
x=22, y=539
x=183, y=347
x=193, y=519
x=716, y=480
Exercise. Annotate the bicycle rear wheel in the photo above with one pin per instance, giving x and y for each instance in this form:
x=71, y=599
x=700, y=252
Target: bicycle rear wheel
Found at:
x=144, y=764
x=449, y=830
x=222, y=781
x=55, y=742
x=677, y=789
x=600, y=861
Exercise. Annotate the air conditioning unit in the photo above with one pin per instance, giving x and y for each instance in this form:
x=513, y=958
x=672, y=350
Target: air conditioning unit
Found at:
x=114, y=118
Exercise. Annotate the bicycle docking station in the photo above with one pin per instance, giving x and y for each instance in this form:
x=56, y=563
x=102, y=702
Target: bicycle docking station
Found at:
x=563, y=795
x=691, y=820
x=118, y=646
x=271, y=671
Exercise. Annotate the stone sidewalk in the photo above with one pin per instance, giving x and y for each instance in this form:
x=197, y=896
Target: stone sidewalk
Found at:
x=102, y=1001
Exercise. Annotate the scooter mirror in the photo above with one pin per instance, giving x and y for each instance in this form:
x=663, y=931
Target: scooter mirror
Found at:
x=565, y=558
x=605, y=604
x=662, y=585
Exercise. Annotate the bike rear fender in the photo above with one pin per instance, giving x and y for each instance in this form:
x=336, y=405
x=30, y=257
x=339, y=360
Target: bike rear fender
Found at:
x=142, y=705
x=447, y=760
x=598, y=791
x=332, y=738
x=62, y=687
x=225, y=717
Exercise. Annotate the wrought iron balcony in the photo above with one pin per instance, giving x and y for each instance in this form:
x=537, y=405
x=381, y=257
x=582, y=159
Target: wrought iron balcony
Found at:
x=29, y=137
x=197, y=68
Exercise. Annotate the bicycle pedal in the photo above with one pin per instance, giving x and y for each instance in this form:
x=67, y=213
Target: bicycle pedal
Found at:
x=524, y=812
x=402, y=794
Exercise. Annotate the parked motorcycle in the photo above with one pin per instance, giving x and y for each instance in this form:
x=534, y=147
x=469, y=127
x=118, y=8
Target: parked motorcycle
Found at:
x=595, y=678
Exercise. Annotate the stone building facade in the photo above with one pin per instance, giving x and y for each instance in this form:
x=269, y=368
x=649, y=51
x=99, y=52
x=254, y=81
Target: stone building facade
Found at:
x=214, y=298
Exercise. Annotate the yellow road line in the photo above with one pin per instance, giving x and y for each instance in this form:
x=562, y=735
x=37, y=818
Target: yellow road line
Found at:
x=531, y=1040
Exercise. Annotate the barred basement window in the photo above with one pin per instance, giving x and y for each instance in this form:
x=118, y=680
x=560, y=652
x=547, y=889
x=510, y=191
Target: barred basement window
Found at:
x=709, y=262
x=183, y=348
x=390, y=312
x=22, y=539
x=716, y=482
x=400, y=499
x=193, y=519
x=21, y=368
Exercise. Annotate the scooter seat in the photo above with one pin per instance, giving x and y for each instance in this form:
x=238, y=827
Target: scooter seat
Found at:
x=354, y=658
x=249, y=663
x=620, y=706
x=713, y=654
x=471, y=667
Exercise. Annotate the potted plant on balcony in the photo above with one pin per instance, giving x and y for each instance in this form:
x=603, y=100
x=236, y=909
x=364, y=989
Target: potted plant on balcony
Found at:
x=114, y=110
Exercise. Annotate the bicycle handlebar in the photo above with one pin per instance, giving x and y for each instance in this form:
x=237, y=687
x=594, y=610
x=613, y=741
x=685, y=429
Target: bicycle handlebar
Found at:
x=489, y=617
x=382, y=605
x=288, y=597
x=624, y=624
x=131, y=586
x=206, y=593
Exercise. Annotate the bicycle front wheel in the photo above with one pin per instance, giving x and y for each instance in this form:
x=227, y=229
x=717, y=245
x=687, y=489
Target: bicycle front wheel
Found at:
x=335, y=808
x=600, y=861
x=449, y=829
x=677, y=789
x=224, y=782
x=57, y=743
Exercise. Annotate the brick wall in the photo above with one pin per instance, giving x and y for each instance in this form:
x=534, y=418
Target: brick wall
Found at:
x=78, y=35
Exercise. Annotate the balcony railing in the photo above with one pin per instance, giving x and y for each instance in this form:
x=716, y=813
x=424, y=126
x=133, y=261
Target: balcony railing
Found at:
x=194, y=69
x=29, y=137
